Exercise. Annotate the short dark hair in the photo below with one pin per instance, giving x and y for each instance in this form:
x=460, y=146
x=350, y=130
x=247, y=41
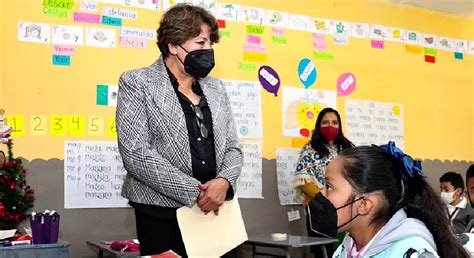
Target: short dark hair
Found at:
x=454, y=178
x=183, y=22
x=470, y=172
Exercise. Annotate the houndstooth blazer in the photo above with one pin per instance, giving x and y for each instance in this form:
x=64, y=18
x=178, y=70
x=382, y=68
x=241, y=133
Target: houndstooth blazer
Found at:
x=153, y=138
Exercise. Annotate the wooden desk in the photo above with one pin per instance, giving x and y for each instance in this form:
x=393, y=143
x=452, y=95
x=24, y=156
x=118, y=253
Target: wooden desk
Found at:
x=265, y=240
x=102, y=249
x=56, y=250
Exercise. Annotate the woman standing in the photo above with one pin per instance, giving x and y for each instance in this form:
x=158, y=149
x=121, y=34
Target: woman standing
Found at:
x=176, y=132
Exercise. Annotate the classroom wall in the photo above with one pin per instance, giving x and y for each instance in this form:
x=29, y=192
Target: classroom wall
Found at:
x=437, y=100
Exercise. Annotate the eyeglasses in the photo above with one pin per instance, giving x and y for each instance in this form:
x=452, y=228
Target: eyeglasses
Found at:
x=200, y=121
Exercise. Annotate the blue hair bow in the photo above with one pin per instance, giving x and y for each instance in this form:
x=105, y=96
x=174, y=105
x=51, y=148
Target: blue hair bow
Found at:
x=410, y=167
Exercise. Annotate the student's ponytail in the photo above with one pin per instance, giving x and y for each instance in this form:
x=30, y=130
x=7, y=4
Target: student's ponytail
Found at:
x=400, y=179
x=422, y=203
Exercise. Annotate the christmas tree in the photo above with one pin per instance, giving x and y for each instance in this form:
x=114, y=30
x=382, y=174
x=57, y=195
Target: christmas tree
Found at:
x=16, y=197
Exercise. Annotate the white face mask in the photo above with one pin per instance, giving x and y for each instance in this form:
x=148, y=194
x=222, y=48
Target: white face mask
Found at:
x=447, y=197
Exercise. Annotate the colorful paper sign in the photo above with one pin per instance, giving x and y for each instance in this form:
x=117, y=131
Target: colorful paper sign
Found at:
x=61, y=60
x=279, y=40
x=346, y=84
x=326, y=56
x=133, y=42
x=254, y=39
x=247, y=67
x=64, y=50
x=256, y=48
x=378, y=44
x=255, y=29
x=87, y=17
x=307, y=72
x=255, y=57
x=414, y=49
x=269, y=79
x=112, y=21
x=430, y=59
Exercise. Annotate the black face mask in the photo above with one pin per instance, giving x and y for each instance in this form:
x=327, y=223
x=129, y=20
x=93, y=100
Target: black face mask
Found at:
x=198, y=63
x=322, y=217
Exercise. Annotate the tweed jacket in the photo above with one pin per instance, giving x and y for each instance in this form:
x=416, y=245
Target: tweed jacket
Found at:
x=153, y=138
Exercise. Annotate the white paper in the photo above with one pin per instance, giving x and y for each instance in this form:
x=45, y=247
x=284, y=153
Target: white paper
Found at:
x=445, y=43
x=144, y=4
x=119, y=13
x=99, y=37
x=360, y=30
x=460, y=45
x=249, y=183
x=232, y=12
x=7, y=233
x=245, y=101
x=299, y=22
x=209, y=5
x=138, y=33
x=300, y=108
x=341, y=29
x=396, y=34
x=93, y=175
x=293, y=215
x=276, y=19
x=68, y=35
x=89, y=5
x=429, y=40
x=286, y=160
x=413, y=37
x=320, y=25
x=210, y=235
x=34, y=32
x=371, y=122
x=470, y=47
x=253, y=15
x=378, y=32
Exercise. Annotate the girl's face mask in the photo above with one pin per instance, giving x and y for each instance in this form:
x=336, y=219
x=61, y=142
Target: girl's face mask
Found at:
x=323, y=215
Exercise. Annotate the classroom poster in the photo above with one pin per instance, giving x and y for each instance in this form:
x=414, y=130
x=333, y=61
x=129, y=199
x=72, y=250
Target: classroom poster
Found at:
x=286, y=160
x=371, y=122
x=245, y=102
x=93, y=175
x=300, y=109
x=249, y=184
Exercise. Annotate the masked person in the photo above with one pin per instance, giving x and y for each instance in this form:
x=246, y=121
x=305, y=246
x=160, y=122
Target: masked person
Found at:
x=326, y=142
x=379, y=195
x=458, y=207
x=176, y=132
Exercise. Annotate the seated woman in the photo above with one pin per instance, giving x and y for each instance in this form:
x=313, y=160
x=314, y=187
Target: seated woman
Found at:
x=380, y=197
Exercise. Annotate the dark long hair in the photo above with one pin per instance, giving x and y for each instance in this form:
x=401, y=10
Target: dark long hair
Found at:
x=370, y=169
x=319, y=143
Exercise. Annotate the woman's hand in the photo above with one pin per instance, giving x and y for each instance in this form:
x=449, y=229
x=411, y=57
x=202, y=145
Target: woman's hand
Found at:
x=213, y=195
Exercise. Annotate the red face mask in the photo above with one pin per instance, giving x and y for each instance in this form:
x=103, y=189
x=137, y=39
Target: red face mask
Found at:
x=329, y=133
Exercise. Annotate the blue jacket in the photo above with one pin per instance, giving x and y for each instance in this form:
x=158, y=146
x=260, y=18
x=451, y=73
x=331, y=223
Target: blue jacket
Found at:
x=394, y=239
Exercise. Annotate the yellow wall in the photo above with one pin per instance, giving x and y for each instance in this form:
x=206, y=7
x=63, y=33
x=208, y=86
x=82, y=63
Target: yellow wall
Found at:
x=437, y=98
x=2, y=17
